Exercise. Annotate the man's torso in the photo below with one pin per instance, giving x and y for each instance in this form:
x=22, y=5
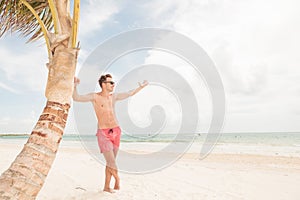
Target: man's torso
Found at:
x=104, y=109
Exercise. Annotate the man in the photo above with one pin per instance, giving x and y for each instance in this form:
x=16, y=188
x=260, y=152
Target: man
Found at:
x=109, y=132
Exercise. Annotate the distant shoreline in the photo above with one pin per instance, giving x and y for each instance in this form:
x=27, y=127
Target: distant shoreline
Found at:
x=14, y=134
x=202, y=133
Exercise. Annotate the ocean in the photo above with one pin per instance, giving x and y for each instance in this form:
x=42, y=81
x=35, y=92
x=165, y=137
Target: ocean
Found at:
x=272, y=144
x=269, y=138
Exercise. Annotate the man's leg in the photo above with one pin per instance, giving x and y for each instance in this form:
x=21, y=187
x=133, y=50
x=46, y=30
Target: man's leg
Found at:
x=107, y=180
x=111, y=169
x=116, y=152
x=117, y=183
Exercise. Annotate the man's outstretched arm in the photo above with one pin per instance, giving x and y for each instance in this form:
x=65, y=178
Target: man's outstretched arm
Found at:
x=81, y=98
x=121, y=96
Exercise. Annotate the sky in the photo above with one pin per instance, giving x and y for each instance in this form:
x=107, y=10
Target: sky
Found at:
x=254, y=44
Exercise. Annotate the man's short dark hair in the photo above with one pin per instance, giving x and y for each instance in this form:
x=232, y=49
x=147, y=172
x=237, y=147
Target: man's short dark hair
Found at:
x=103, y=78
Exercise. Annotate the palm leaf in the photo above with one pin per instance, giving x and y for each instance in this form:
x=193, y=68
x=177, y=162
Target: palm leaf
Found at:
x=16, y=17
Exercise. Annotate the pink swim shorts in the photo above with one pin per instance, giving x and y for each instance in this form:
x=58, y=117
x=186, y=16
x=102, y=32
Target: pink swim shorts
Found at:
x=108, y=138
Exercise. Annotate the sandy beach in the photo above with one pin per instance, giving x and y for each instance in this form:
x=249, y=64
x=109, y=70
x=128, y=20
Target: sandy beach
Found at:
x=227, y=173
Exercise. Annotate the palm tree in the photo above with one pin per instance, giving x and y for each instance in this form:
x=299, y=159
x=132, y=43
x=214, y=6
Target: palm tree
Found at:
x=51, y=20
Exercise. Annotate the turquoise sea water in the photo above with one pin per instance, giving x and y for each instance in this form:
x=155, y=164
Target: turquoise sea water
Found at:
x=274, y=139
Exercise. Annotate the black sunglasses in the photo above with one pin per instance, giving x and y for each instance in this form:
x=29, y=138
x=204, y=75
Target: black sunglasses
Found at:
x=111, y=82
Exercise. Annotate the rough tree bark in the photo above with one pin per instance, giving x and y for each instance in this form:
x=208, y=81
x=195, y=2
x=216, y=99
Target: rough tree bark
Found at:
x=26, y=175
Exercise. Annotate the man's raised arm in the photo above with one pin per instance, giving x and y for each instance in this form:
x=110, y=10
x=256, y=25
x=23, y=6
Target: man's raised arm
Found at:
x=81, y=98
x=121, y=96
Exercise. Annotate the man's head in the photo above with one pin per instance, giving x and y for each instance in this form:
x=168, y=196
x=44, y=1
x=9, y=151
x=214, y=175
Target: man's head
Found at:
x=106, y=83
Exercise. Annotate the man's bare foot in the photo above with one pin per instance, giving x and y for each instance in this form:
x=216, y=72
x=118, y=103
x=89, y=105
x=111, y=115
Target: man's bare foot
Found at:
x=109, y=190
x=117, y=185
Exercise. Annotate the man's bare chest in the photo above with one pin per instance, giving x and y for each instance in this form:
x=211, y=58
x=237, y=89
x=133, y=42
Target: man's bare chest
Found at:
x=104, y=103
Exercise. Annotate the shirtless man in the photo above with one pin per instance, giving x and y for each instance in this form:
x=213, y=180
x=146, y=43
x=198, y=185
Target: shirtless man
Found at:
x=109, y=132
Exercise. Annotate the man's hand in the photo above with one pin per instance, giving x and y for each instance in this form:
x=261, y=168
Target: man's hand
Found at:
x=76, y=81
x=144, y=84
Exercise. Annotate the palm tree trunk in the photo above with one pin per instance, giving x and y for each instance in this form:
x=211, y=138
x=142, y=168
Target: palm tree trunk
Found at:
x=26, y=175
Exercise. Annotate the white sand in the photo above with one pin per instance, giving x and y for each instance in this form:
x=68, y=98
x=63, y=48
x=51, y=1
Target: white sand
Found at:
x=222, y=175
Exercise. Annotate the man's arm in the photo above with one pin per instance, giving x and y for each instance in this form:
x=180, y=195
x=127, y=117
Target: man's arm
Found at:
x=81, y=98
x=121, y=96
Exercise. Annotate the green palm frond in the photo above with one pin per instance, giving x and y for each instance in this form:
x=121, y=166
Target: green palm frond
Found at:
x=16, y=17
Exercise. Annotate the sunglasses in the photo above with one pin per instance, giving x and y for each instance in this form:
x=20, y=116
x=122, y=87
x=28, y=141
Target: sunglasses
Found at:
x=111, y=82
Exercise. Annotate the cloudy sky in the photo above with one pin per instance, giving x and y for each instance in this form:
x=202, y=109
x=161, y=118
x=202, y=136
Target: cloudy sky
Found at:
x=254, y=44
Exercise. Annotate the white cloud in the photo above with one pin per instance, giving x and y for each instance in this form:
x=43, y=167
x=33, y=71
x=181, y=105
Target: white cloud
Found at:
x=140, y=106
x=192, y=78
x=255, y=46
x=14, y=124
x=93, y=14
x=26, y=69
x=8, y=88
x=4, y=120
